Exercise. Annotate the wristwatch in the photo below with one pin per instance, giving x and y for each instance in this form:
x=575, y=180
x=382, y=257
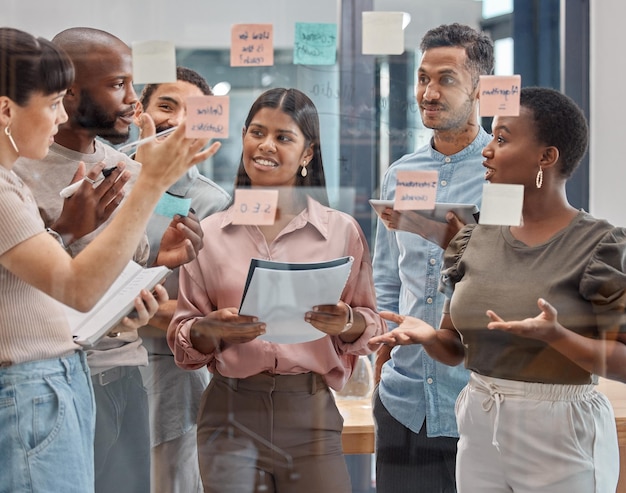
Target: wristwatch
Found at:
x=57, y=237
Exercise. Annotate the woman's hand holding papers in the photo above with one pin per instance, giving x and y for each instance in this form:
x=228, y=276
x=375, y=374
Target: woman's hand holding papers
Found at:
x=333, y=320
x=224, y=326
x=146, y=305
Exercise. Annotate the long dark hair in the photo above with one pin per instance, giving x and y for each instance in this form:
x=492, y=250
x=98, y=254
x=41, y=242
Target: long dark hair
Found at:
x=29, y=65
x=301, y=109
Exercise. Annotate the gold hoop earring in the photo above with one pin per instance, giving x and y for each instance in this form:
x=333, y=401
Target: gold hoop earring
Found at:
x=7, y=132
x=539, y=178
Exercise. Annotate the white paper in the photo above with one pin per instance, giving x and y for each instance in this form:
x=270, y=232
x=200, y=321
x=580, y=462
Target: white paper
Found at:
x=280, y=296
x=154, y=62
x=502, y=204
x=88, y=328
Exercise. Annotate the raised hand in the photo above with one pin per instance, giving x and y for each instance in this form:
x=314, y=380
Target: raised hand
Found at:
x=90, y=206
x=181, y=241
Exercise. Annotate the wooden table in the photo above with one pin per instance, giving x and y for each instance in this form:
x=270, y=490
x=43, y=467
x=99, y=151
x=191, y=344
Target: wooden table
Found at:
x=358, y=426
x=616, y=392
x=358, y=429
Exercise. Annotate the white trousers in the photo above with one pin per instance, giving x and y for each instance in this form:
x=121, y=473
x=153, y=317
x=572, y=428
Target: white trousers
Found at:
x=529, y=437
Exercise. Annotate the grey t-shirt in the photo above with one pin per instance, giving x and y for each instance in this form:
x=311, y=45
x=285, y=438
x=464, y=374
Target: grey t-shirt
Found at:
x=580, y=271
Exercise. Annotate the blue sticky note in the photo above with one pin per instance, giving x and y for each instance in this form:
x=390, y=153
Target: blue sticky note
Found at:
x=170, y=205
x=315, y=44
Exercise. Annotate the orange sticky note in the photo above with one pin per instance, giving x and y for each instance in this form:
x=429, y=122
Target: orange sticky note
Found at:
x=207, y=117
x=499, y=95
x=251, y=45
x=416, y=190
x=253, y=206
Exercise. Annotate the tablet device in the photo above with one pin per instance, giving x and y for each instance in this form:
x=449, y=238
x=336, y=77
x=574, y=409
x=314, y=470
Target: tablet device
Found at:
x=468, y=213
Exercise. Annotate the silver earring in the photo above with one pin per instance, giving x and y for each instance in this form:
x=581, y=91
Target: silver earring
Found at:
x=539, y=178
x=303, y=171
x=7, y=132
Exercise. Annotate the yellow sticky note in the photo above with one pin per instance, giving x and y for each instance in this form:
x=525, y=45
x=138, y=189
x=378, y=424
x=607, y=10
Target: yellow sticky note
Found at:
x=502, y=204
x=383, y=33
x=154, y=62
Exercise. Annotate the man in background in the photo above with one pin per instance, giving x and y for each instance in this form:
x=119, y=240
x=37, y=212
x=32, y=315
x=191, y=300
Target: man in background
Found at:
x=413, y=405
x=174, y=394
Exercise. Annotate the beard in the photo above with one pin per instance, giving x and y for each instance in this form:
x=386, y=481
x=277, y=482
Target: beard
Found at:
x=450, y=119
x=92, y=116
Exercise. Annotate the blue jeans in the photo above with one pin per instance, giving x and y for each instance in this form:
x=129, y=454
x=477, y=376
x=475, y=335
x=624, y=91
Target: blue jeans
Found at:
x=47, y=421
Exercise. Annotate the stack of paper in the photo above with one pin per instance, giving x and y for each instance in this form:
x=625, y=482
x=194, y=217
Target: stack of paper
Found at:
x=89, y=327
x=280, y=294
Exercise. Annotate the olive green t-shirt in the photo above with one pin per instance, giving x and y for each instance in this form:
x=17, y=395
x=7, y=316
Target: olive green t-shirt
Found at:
x=580, y=271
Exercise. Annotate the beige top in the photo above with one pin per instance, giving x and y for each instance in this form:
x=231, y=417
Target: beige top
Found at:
x=32, y=324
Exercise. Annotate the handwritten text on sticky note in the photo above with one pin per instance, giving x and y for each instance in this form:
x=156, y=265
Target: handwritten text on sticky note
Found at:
x=415, y=190
x=315, y=44
x=252, y=45
x=255, y=206
x=499, y=95
x=207, y=117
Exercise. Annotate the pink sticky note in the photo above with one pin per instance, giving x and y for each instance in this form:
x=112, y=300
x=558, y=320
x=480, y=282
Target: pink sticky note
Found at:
x=416, y=190
x=207, y=117
x=252, y=45
x=253, y=206
x=499, y=95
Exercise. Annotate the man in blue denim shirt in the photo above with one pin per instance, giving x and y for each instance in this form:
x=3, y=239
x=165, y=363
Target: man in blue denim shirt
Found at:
x=413, y=405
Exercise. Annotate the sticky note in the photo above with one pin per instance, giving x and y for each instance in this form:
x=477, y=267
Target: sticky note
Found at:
x=252, y=45
x=415, y=190
x=382, y=33
x=502, y=204
x=255, y=206
x=207, y=117
x=499, y=95
x=154, y=62
x=315, y=44
x=170, y=205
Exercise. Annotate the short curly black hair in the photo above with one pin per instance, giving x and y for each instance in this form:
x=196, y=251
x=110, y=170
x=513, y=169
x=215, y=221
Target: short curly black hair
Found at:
x=182, y=73
x=478, y=46
x=558, y=122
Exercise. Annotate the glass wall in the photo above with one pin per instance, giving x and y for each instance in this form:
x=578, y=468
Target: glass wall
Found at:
x=367, y=106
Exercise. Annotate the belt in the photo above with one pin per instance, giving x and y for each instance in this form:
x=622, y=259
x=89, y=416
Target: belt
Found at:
x=111, y=375
x=302, y=382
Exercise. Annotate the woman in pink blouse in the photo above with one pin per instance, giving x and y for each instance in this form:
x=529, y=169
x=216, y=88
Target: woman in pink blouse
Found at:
x=268, y=418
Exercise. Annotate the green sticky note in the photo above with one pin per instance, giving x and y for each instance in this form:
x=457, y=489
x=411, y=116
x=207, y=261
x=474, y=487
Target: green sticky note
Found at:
x=170, y=205
x=315, y=44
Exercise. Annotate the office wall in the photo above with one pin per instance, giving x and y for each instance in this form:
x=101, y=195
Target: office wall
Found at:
x=191, y=23
x=607, y=154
